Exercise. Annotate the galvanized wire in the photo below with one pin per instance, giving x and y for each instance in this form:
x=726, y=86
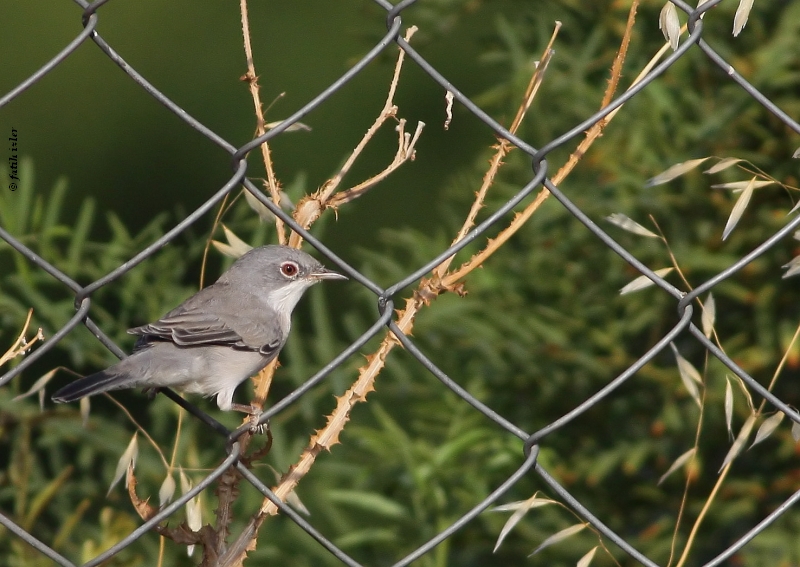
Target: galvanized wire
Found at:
x=528, y=463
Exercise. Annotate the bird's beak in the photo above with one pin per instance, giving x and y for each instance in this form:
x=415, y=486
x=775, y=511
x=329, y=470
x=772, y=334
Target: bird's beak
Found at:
x=326, y=274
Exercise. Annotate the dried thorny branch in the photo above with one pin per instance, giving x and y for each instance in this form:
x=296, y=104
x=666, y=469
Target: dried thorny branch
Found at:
x=306, y=213
x=328, y=436
x=308, y=210
x=311, y=207
x=427, y=290
x=502, y=149
x=591, y=136
x=22, y=344
x=252, y=80
x=442, y=280
x=405, y=152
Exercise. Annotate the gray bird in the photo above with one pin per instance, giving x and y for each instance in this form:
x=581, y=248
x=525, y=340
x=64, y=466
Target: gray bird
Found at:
x=220, y=336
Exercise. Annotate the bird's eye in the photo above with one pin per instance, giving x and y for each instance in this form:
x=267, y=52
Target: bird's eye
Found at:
x=289, y=269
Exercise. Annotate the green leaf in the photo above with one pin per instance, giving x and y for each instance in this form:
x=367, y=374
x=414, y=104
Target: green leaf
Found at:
x=79, y=236
x=368, y=502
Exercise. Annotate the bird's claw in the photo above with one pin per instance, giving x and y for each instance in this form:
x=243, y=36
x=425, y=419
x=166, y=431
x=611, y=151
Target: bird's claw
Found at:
x=254, y=414
x=257, y=428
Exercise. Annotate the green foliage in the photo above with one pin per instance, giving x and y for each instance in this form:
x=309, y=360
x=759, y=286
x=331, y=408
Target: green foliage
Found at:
x=34, y=218
x=50, y=476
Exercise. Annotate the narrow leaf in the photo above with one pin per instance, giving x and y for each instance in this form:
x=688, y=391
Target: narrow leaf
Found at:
x=293, y=500
x=167, y=490
x=142, y=507
x=224, y=249
x=689, y=374
x=739, y=186
x=700, y=3
x=740, y=18
x=263, y=212
x=239, y=246
x=686, y=367
x=670, y=25
x=643, y=281
x=387, y=507
x=746, y=393
x=626, y=223
x=193, y=516
x=729, y=406
x=793, y=267
x=738, y=209
x=674, y=171
x=709, y=315
x=85, y=406
x=37, y=386
x=296, y=127
x=741, y=439
x=559, y=537
x=679, y=462
x=449, y=97
x=768, y=427
x=533, y=502
x=128, y=459
x=186, y=484
x=520, y=509
x=587, y=559
x=796, y=431
x=722, y=164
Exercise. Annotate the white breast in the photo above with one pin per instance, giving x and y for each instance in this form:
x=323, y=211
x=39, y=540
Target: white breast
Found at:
x=284, y=299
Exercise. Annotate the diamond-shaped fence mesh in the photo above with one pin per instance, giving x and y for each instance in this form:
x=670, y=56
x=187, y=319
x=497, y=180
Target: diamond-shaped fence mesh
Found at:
x=394, y=315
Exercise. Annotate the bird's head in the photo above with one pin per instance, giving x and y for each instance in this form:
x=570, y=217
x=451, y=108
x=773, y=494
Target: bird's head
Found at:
x=279, y=274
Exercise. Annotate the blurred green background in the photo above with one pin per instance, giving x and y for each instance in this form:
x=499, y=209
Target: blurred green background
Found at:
x=107, y=170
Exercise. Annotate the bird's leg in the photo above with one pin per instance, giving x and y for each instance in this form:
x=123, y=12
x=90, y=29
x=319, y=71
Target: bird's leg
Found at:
x=151, y=392
x=254, y=413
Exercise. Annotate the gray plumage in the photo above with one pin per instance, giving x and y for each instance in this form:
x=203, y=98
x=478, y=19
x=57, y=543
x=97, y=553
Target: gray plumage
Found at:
x=220, y=336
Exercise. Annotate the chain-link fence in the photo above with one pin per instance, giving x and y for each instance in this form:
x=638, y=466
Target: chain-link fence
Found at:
x=386, y=299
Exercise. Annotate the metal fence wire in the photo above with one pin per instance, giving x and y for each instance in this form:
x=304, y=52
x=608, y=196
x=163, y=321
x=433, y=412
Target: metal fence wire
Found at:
x=539, y=177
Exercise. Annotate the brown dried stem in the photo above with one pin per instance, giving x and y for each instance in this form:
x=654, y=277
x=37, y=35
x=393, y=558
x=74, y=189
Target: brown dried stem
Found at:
x=22, y=344
x=252, y=81
x=591, y=136
x=427, y=290
x=306, y=213
x=502, y=149
x=311, y=207
x=405, y=152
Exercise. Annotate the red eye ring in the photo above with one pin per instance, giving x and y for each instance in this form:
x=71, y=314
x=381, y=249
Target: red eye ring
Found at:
x=289, y=269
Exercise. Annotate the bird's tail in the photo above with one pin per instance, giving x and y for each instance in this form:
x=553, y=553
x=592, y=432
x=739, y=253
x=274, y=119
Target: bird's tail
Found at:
x=96, y=383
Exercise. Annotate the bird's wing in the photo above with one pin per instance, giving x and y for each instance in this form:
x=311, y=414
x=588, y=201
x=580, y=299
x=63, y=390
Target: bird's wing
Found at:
x=191, y=328
x=219, y=318
x=271, y=349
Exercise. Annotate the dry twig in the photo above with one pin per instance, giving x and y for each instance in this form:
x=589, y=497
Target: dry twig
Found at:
x=22, y=344
x=252, y=81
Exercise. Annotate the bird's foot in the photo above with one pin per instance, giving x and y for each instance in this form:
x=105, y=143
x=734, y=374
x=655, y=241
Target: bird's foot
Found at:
x=151, y=392
x=254, y=413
